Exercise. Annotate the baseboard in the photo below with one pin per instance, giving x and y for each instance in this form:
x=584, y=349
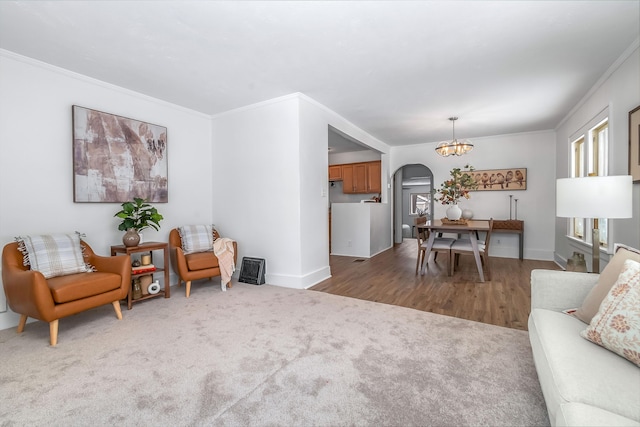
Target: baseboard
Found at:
x=299, y=282
x=513, y=252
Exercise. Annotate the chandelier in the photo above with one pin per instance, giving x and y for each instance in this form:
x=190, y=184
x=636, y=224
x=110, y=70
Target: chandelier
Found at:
x=454, y=147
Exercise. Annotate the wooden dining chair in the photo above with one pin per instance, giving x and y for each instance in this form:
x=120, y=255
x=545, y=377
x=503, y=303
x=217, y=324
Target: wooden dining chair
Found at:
x=440, y=244
x=463, y=247
x=419, y=238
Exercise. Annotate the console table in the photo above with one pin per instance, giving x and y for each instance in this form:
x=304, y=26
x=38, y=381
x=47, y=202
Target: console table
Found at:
x=147, y=247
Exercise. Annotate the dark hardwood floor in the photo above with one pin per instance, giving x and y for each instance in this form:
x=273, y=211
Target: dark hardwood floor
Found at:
x=390, y=278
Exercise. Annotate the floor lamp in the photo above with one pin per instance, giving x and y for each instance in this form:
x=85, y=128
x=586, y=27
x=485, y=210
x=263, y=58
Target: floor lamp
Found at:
x=595, y=197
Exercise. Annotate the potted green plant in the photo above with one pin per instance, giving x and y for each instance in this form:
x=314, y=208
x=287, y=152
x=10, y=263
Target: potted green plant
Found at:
x=453, y=189
x=136, y=216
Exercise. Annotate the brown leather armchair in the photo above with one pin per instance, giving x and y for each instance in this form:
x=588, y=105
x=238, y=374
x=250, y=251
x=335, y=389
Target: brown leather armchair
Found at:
x=194, y=266
x=31, y=295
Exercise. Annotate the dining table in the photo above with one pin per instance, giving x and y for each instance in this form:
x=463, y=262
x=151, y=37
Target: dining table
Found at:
x=471, y=227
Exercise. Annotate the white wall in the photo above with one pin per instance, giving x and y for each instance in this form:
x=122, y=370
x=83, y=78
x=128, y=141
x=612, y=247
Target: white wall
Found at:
x=619, y=91
x=360, y=229
x=350, y=229
x=315, y=120
x=36, y=171
x=534, y=151
x=354, y=157
x=274, y=197
x=256, y=185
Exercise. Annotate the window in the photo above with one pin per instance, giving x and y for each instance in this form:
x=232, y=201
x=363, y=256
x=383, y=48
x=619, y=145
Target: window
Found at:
x=577, y=160
x=593, y=158
x=599, y=161
x=420, y=203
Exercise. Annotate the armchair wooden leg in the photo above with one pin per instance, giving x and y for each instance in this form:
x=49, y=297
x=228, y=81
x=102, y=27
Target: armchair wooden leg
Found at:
x=116, y=307
x=188, y=288
x=23, y=321
x=53, y=332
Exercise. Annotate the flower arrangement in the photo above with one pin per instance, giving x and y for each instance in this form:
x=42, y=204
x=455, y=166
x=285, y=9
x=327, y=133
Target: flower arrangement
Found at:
x=458, y=186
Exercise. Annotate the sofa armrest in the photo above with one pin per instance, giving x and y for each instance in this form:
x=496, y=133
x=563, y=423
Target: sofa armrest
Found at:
x=560, y=290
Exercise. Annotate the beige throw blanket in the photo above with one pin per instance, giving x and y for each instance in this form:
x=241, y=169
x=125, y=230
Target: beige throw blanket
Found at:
x=223, y=249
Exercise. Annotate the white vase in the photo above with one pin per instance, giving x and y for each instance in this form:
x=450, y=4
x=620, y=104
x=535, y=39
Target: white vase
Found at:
x=467, y=213
x=454, y=213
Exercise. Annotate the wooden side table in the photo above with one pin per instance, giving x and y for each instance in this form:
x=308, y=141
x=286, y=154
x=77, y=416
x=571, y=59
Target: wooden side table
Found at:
x=147, y=247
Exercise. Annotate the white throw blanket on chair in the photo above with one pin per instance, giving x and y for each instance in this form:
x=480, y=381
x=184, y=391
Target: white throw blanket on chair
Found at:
x=223, y=249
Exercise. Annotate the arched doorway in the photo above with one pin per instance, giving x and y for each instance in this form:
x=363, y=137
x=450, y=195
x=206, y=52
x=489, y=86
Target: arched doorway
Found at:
x=413, y=186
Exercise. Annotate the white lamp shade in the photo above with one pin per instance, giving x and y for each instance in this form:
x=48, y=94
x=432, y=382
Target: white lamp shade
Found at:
x=595, y=197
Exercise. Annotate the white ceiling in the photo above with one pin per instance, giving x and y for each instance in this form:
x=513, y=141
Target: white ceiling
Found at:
x=396, y=69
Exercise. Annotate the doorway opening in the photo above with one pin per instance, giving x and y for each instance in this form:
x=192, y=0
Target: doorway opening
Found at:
x=412, y=196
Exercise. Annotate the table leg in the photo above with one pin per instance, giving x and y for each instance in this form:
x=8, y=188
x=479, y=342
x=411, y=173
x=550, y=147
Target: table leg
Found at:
x=476, y=254
x=167, y=285
x=521, y=242
x=427, y=253
x=129, y=296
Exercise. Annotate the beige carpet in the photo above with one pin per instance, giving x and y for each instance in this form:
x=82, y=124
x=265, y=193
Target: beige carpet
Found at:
x=268, y=356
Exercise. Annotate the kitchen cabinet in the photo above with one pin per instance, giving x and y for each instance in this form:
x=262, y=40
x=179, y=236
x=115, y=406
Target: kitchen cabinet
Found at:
x=361, y=178
x=335, y=173
x=374, y=170
x=347, y=179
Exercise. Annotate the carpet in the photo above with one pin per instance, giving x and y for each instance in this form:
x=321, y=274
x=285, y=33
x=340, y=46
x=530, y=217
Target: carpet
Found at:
x=268, y=356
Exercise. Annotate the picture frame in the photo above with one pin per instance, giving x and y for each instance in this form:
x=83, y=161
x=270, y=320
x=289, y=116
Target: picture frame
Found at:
x=634, y=144
x=116, y=159
x=510, y=179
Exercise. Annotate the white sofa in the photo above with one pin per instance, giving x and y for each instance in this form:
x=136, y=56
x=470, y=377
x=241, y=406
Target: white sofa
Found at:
x=583, y=384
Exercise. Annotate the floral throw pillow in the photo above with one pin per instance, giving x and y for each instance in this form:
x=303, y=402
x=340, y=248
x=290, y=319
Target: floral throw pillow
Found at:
x=616, y=326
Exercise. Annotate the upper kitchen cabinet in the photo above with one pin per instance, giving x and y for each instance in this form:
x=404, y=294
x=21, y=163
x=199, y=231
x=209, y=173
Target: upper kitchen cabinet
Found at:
x=335, y=173
x=361, y=177
x=374, y=171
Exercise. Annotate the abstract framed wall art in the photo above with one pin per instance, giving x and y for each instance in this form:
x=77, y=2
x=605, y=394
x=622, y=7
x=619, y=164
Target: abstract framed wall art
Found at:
x=634, y=144
x=116, y=158
x=500, y=179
